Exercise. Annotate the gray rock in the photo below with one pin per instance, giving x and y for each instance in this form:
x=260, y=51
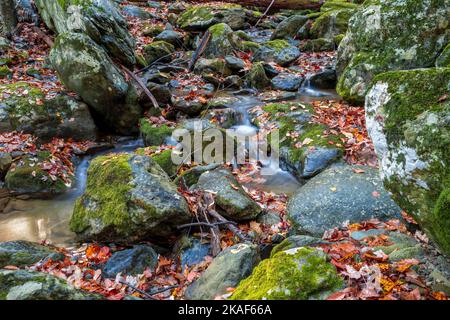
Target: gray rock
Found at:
x=22, y=253
x=234, y=63
x=226, y=270
x=287, y=82
x=235, y=204
x=194, y=253
x=132, y=261
x=172, y=37
x=278, y=51
x=325, y=79
x=93, y=75
x=257, y=77
x=289, y=27
x=30, y=285
x=136, y=12
x=336, y=195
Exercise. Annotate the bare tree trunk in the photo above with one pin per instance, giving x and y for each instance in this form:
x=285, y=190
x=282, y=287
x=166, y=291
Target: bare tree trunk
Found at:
x=278, y=4
x=8, y=19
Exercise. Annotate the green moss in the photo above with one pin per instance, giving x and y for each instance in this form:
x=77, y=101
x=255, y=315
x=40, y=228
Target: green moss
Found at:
x=444, y=58
x=298, y=274
x=331, y=23
x=277, y=45
x=164, y=159
x=158, y=50
x=195, y=14
x=337, y=39
x=249, y=46
x=218, y=30
x=441, y=223
x=154, y=135
x=318, y=45
x=107, y=194
x=337, y=4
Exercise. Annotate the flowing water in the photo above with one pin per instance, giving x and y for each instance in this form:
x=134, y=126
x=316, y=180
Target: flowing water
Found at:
x=38, y=220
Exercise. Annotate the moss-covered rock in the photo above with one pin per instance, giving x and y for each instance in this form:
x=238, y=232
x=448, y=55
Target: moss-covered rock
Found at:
x=158, y=50
x=4, y=72
x=296, y=274
x=257, y=77
x=154, y=135
x=407, y=119
x=128, y=198
x=289, y=27
x=444, y=58
x=22, y=253
x=390, y=35
x=221, y=42
x=31, y=285
x=100, y=20
x=318, y=45
x=85, y=68
x=279, y=51
x=331, y=23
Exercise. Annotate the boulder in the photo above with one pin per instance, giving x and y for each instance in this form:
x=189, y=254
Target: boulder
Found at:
x=337, y=195
x=287, y=82
x=289, y=27
x=297, y=274
x=137, y=12
x=99, y=20
x=128, y=198
x=132, y=261
x=92, y=74
x=407, y=116
x=331, y=23
x=158, y=50
x=230, y=197
x=22, y=253
x=257, y=77
x=226, y=271
x=279, y=51
x=154, y=135
x=191, y=250
x=390, y=35
x=221, y=42
x=325, y=79
x=31, y=285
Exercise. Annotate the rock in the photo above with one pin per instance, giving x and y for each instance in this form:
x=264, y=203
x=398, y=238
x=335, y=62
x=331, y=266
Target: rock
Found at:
x=380, y=39
x=279, y=51
x=402, y=247
x=132, y=261
x=158, y=50
x=137, y=12
x=407, y=116
x=5, y=163
x=336, y=195
x=221, y=42
x=289, y=27
x=287, y=82
x=177, y=7
x=191, y=176
x=26, y=176
x=162, y=93
x=172, y=37
x=269, y=218
x=31, y=285
x=230, y=196
x=22, y=253
x=62, y=116
x=226, y=271
x=325, y=79
x=215, y=66
x=257, y=77
x=128, y=198
x=192, y=251
x=154, y=135
x=295, y=274
x=296, y=242
x=331, y=23
x=318, y=45
x=100, y=20
x=235, y=64
x=93, y=75
x=444, y=58
x=199, y=18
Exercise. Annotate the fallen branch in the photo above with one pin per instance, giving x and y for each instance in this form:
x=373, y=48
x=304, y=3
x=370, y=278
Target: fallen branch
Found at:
x=201, y=48
x=265, y=12
x=205, y=224
x=146, y=294
x=143, y=87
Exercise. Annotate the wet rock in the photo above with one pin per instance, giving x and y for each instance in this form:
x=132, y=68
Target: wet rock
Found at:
x=190, y=107
x=410, y=130
x=233, y=82
x=287, y=82
x=191, y=250
x=22, y=253
x=289, y=27
x=325, y=79
x=128, y=198
x=99, y=20
x=158, y=51
x=31, y=285
x=92, y=74
x=336, y=195
x=231, y=197
x=295, y=274
x=132, y=261
x=226, y=271
x=363, y=53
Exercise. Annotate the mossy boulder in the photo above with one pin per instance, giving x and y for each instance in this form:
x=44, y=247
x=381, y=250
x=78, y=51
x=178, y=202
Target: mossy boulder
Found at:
x=278, y=51
x=289, y=27
x=85, y=68
x=158, y=50
x=31, y=285
x=215, y=66
x=407, y=116
x=26, y=176
x=222, y=41
x=331, y=23
x=390, y=35
x=257, y=77
x=296, y=274
x=154, y=135
x=128, y=198
x=5, y=72
x=22, y=253
x=444, y=58
x=297, y=241
x=99, y=20
x=230, y=198
x=226, y=271
x=318, y=45
x=201, y=17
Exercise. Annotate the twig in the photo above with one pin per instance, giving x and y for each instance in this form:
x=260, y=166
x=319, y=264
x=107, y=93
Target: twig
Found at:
x=205, y=224
x=139, y=82
x=265, y=12
x=146, y=294
x=201, y=48
x=163, y=289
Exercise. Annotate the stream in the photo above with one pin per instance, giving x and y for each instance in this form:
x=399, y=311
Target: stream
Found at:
x=38, y=219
